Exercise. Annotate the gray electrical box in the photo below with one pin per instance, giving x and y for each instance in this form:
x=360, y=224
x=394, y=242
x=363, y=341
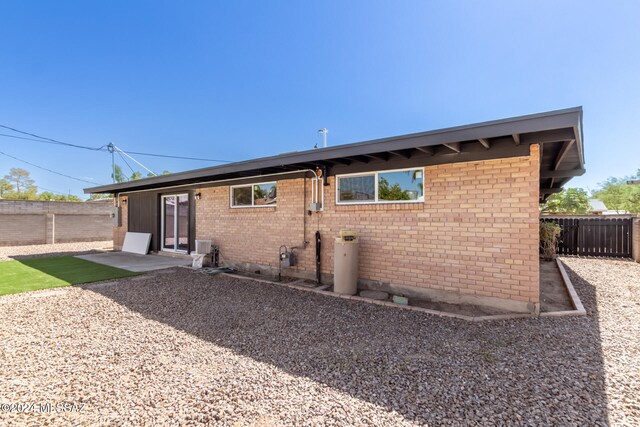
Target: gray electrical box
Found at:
x=115, y=216
x=315, y=207
x=287, y=259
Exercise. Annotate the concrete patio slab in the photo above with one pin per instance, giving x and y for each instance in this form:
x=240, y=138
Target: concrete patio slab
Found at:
x=135, y=262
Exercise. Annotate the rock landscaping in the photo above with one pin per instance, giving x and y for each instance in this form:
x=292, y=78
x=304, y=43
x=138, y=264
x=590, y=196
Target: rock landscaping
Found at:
x=184, y=348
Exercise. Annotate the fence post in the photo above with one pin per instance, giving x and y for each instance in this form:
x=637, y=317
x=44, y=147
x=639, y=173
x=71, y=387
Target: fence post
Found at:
x=635, y=240
x=50, y=228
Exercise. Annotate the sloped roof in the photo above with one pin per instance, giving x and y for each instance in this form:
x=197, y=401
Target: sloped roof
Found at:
x=559, y=133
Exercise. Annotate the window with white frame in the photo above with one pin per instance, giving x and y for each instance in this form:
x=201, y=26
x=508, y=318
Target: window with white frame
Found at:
x=263, y=194
x=395, y=186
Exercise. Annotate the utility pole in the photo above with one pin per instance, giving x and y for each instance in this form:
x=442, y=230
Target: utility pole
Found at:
x=112, y=148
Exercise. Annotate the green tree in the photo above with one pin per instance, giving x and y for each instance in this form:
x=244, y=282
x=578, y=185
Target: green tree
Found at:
x=616, y=194
x=118, y=175
x=164, y=172
x=259, y=192
x=100, y=197
x=136, y=175
x=568, y=201
x=5, y=187
x=391, y=192
x=47, y=195
x=22, y=182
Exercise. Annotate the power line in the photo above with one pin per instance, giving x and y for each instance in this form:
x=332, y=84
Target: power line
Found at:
x=48, y=170
x=180, y=157
x=127, y=163
x=101, y=148
x=54, y=141
x=137, y=162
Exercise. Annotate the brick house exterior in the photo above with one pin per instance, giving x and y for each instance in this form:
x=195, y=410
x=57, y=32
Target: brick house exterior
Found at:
x=472, y=239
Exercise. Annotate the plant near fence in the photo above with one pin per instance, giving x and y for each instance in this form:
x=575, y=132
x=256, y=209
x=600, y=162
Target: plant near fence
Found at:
x=549, y=233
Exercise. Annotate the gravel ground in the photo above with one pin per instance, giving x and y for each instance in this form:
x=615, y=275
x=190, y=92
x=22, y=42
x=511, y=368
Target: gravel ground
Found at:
x=180, y=348
x=35, y=251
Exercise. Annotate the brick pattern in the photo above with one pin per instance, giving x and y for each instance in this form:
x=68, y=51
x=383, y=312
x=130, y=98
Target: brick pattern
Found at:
x=26, y=222
x=476, y=232
x=120, y=231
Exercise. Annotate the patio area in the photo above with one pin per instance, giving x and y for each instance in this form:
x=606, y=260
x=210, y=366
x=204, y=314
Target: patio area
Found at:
x=136, y=262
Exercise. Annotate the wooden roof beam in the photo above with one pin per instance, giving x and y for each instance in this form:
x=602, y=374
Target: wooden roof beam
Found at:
x=378, y=156
x=454, y=146
x=426, y=150
x=339, y=161
x=562, y=154
x=562, y=174
x=485, y=143
x=557, y=135
x=405, y=154
x=361, y=159
x=516, y=138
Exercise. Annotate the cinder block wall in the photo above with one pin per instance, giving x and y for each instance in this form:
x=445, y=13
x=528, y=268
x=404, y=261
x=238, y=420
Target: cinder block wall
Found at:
x=26, y=222
x=22, y=229
x=474, y=239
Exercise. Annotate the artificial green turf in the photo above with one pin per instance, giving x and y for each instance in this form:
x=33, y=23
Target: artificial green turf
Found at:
x=53, y=272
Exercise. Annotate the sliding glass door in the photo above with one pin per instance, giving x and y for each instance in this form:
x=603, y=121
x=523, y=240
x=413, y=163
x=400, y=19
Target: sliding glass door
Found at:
x=175, y=223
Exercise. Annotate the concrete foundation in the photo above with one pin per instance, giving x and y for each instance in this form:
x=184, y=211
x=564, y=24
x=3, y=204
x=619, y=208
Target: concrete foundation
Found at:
x=408, y=291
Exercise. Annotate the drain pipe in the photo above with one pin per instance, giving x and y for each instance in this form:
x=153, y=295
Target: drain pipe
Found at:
x=317, y=235
x=318, y=253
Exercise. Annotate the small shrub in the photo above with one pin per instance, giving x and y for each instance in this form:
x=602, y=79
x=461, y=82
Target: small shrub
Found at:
x=549, y=232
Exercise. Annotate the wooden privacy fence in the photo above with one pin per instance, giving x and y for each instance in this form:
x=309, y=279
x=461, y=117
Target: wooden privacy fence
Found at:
x=594, y=236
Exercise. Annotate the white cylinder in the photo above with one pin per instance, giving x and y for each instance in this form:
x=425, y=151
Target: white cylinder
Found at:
x=345, y=267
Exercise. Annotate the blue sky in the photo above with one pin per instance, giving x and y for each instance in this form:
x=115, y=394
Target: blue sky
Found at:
x=240, y=79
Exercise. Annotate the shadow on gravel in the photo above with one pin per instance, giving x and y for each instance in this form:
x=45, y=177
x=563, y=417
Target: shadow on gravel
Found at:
x=428, y=369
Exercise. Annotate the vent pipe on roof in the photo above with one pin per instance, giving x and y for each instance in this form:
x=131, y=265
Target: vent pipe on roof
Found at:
x=324, y=133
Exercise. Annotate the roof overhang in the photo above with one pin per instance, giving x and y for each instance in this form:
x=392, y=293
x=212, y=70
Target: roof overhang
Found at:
x=559, y=134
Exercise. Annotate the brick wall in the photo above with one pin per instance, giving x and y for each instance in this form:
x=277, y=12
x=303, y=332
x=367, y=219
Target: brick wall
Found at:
x=26, y=222
x=474, y=239
x=123, y=224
